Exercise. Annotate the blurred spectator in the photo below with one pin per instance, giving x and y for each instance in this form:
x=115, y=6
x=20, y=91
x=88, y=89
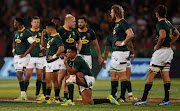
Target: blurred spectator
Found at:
x=139, y=14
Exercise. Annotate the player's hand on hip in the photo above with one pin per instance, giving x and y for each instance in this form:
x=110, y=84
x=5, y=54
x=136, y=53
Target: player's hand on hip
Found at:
x=23, y=55
x=104, y=65
x=118, y=43
x=50, y=57
x=100, y=60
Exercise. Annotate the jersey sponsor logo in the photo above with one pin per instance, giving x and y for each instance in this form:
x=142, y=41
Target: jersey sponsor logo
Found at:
x=70, y=40
x=85, y=41
x=18, y=40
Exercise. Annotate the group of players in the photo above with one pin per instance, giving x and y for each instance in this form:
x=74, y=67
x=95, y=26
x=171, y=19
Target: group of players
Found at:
x=63, y=52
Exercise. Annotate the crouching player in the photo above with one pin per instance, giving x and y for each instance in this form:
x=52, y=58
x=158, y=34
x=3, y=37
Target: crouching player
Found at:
x=83, y=77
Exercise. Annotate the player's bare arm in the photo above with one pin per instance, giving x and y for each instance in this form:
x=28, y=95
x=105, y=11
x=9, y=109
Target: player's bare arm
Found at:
x=96, y=46
x=162, y=36
x=129, y=37
x=79, y=46
x=131, y=48
x=106, y=51
x=43, y=43
x=175, y=36
x=70, y=70
x=13, y=47
x=58, y=53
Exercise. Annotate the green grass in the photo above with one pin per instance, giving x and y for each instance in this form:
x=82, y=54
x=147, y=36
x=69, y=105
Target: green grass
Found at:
x=10, y=88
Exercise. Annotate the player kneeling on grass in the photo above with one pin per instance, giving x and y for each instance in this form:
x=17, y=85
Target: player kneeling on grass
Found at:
x=83, y=77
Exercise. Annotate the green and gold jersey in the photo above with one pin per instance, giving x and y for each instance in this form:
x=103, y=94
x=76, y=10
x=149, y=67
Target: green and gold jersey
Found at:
x=81, y=65
x=68, y=37
x=37, y=35
x=20, y=38
x=109, y=41
x=53, y=43
x=86, y=37
x=168, y=27
x=119, y=34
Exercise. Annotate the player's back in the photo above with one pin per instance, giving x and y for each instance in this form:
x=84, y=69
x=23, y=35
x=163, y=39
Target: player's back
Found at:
x=168, y=27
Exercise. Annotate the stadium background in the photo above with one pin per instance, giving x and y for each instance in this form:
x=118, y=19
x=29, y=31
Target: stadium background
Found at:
x=139, y=14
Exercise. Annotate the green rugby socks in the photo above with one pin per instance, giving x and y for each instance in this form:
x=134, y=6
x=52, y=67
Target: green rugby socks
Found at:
x=38, y=86
x=44, y=87
x=114, y=86
x=123, y=88
x=167, y=90
x=146, y=91
x=26, y=82
x=71, y=91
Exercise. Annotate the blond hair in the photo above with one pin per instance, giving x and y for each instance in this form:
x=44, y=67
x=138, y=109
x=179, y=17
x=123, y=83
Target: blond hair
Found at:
x=118, y=11
x=68, y=17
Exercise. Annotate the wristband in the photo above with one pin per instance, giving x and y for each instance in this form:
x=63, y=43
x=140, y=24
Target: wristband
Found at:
x=13, y=50
x=105, y=61
x=77, y=52
x=132, y=54
x=54, y=56
x=122, y=44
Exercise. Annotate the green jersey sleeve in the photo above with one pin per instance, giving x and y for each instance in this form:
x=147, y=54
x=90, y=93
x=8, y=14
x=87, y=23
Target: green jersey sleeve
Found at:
x=76, y=64
x=125, y=26
x=93, y=35
x=59, y=41
x=78, y=36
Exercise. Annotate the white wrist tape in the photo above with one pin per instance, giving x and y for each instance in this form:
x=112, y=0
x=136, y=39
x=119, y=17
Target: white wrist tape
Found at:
x=54, y=56
x=77, y=52
x=13, y=50
x=31, y=40
x=105, y=61
x=122, y=44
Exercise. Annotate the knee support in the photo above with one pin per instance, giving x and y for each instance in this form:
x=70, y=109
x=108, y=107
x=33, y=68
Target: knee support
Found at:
x=166, y=68
x=19, y=69
x=154, y=69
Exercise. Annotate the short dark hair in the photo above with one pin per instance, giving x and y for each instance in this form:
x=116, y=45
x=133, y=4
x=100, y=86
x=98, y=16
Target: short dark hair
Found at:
x=20, y=20
x=57, y=18
x=84, y=18
x=162, y=11
x=51, y=24
x=72, y=48
x=34, y=18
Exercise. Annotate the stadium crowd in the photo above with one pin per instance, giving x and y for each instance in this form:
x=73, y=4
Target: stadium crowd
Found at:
x=139, y=14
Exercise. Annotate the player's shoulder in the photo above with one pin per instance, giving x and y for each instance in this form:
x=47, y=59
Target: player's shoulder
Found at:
x=79, y=59
x=90, y=30
x=60, y=29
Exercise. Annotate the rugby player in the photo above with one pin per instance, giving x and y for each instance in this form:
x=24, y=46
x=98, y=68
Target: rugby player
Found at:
x=83, y=77
x=161, y=59
x=122, y=35
x=87, y=35
x=23, y=44
x=55, y=47
x=114, y=82
x=69, y=37
x=36, y=60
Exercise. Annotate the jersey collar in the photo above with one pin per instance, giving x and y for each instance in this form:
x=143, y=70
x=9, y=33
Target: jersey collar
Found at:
x=73, y=58
x=21, y=29
x=118, y=20
x=34, y=30
x=66, y=28
x=162, y=19
x=86, y=29
x=54, y=34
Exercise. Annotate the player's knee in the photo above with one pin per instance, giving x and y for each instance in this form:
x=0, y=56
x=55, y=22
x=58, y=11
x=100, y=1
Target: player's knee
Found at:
x=154, y=69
